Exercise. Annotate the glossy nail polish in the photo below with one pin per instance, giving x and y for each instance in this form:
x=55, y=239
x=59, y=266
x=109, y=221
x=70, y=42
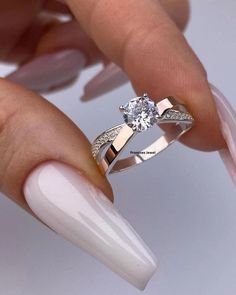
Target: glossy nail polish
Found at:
x=50, y=70
x=64, y=200
x=109, y=78
x=227, y=117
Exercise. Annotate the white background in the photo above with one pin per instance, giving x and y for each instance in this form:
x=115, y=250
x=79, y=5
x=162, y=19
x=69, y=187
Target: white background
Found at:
x=183, y=204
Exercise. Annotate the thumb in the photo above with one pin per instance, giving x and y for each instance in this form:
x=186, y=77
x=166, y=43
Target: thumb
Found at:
x=46, y=166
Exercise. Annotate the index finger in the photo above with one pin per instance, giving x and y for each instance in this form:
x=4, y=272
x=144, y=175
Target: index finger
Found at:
x=141, y=38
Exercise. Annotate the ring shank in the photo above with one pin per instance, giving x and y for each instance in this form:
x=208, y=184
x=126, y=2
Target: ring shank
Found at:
x=174, y=133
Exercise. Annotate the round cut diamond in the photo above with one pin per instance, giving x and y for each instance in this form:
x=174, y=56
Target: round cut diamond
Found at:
x=140, y=113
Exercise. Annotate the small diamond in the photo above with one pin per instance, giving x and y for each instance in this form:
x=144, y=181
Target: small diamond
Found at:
x=140, y=113
x=168, y=115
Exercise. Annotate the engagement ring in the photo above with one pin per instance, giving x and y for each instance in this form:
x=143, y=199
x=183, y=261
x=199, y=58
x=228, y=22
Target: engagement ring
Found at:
x=140, y=114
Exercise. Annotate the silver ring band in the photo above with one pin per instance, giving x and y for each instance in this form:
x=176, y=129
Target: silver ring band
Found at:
x=140, y=113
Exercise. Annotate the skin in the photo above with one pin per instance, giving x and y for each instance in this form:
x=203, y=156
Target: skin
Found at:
x=170, y=67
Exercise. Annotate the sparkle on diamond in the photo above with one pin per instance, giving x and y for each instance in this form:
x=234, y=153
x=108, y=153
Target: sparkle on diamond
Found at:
x=140, y=113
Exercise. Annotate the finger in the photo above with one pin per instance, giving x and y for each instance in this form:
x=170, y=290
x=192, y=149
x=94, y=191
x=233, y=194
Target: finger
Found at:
x=130, y=31
x=56, y=7
x=49, y=71
x=52, y=38
x=178, y=11
x=46, y=164
x=63, y=51
x=112, y=76
x=37, y=127
x=26, y=45
x=69, y=35
x=12, y=24
x=42, y=36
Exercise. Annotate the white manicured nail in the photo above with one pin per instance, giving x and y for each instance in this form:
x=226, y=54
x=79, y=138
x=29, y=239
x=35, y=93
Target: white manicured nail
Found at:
x=69, y=204
x=109, y=78
x=50, y=70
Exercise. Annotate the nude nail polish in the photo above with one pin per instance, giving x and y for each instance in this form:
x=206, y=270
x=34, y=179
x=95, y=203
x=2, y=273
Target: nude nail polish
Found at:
x=109, y=78
x=49, y=70
x=227, y=117
x=69, y=204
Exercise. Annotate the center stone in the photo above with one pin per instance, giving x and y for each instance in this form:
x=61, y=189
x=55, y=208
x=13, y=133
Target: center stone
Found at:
x=140, y=113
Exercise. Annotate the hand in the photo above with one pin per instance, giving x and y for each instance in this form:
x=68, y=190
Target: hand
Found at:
x=41, y=38
x=46, y=164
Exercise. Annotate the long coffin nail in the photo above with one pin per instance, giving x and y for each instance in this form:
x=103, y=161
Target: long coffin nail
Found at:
x=64, y=200
x=50, y=70
x=227, y=117
x=109, y=78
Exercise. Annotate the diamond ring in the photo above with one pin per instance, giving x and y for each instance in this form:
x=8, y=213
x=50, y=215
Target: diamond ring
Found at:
x=140, y=114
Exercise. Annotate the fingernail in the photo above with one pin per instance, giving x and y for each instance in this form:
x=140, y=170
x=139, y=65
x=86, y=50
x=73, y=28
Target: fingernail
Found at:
x=69, y=204
x=109, y=78
x=227, y=117
x=50, y=70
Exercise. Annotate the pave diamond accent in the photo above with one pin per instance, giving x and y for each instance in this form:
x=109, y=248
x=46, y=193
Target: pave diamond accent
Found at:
x=176, y=116
x=105, y=138
x=140, y=113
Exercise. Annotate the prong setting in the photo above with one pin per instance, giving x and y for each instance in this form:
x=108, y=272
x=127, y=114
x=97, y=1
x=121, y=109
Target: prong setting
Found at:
x=140, y=113
x=121, y=108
